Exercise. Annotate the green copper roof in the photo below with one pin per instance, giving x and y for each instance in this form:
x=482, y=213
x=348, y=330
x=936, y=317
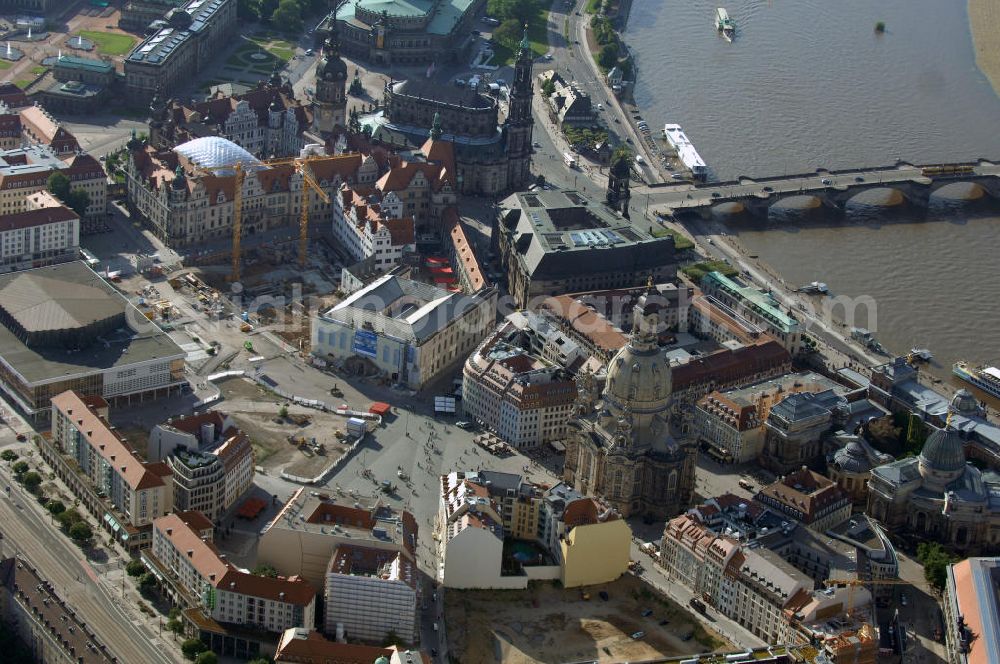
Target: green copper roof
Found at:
x=525, y=42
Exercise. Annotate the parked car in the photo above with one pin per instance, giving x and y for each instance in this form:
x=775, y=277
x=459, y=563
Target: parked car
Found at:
x=826, y=181
x=464, y=425
x=309, y=51
x=638, y=635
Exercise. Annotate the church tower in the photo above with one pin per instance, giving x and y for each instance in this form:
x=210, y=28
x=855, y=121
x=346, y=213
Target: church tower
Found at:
x=618, y=194
x=330, y=102
x=158, y=116
x=520, y=123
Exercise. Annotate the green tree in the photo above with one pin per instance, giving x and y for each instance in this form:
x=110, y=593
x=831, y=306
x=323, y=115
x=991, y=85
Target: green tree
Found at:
x=147, y=583
x=32, y=481
x=135, y=568
x=61, y=188
x=509, y=32
x=283, y=412
x=521, y=10
x=248, y=10
x=622, y=153
x=916, y=435
x=288, y=16
x=8, y=455
x=68, y=518
x=55, y=507
x=264, y=570
x=59, y=185
x=260, y=660
x=207, y=657
x=608, y=57
x=191, y=648
x=20, y=468
x=935, y=559
x=548, y=87
x=175, y=625
x=81, y=532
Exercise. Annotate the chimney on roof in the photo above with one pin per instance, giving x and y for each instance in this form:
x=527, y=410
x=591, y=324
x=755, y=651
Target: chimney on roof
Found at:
x=190, y=553
x=170, y=531
x=211, y=577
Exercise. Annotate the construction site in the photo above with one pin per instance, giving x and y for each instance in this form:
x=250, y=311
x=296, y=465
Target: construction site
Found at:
x=545, y=623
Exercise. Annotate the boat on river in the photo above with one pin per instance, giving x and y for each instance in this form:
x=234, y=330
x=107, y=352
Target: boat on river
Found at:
x=984, y=377
x=814, y=288
x=724, y=24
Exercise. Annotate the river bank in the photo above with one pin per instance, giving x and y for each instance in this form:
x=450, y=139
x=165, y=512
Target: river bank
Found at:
x=984, y=16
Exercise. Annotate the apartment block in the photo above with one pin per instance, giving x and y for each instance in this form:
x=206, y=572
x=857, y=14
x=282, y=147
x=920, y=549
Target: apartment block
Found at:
x=808, y=498
x=46, y=233
x=97, y=463
x=26, y=170
x=302, y=537
x=525, y=399
x=199, y=576
x=371, y=593
x=562, y=534
x=212, y=461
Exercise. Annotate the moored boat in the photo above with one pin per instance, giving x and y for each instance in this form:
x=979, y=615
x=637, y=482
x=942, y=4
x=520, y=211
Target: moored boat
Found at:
x=984, y=377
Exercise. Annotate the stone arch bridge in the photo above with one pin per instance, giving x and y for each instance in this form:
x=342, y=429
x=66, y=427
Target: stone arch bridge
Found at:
x=832, y=189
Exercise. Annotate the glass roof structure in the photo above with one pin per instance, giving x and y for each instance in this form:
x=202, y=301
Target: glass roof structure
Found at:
x=215, y=153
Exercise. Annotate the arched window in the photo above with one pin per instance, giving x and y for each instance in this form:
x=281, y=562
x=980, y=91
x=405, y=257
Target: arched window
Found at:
x=672, y=481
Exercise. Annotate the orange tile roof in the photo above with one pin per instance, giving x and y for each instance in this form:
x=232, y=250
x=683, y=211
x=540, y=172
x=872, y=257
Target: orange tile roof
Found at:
x=205, y=559
x=315, y=649
x=196, y=520
x=464, y=253
x=108, y=443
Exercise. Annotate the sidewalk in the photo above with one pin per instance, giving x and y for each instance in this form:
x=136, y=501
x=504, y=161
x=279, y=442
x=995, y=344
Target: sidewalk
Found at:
x=109, y=574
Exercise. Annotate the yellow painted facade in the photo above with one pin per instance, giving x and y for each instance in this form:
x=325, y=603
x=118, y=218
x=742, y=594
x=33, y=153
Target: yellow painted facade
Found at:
x=595, y=553
x=524, y=519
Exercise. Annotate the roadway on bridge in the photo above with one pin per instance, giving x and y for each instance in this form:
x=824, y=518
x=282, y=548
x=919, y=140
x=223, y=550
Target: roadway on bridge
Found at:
x=691, y=196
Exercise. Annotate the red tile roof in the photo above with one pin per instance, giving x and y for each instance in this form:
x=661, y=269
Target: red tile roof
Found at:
x=40, y=217
x=315, y=649
x=205, y=559
x=108, y=443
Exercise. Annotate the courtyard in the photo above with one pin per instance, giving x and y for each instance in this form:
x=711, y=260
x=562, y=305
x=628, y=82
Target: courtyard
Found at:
x=548, y=623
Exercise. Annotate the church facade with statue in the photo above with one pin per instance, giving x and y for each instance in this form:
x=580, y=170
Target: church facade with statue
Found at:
x=625, y=446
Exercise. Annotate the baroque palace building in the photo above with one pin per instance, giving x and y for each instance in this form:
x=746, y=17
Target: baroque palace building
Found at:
x=186, y=194
x=939, y=496
x=404, y=32
x=621, y=446
x=490, y=157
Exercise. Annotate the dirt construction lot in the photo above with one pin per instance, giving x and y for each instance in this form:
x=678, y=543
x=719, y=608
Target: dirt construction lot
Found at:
x=255, y=411
x=548, y=624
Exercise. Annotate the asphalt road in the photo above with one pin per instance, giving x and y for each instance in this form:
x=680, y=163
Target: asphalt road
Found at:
x=28, y=531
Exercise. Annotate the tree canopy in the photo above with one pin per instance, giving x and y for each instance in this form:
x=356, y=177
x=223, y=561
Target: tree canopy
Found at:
x=935, y=560
x=61, y=188
x=521, y=10
x=80, y=532
x=192, y=648
x=288, y=16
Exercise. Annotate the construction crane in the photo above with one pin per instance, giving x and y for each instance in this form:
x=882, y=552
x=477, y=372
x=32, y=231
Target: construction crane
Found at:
x=238, y=173
x=854, y=583
x=301, y=165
